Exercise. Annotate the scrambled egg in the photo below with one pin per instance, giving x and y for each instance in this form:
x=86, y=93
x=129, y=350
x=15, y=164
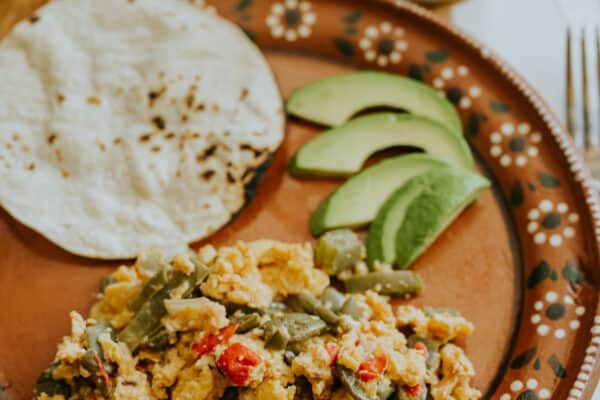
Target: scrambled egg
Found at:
x=196, y=348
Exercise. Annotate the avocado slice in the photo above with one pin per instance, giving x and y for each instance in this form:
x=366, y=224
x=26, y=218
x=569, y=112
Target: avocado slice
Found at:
x=356, y=202
x=332, y=101
x=414, y=215
x=343, y=150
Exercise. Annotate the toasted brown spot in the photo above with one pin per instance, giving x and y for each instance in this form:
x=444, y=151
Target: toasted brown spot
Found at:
x=65, y=173
x=207, y=153
x=189, y=100
x=26, y=149
x=101, y=145
x=244, y=94
x=226, y=133
x=94, y=100
x=155, y=95
x=31, y=167
x=248, y=147
x=206, y=205
x=51, y=138
x=145, y=137
x=195, y=135
x=58, y=154
x=207, y=174
x=155, y=149
x=117, y=141
x=119, y=91
x=130, y=383
x=9, y=146
x=159, y=122
x=15, y=137
x=34, y=18
x=216, y=107
x=201, y=107
x=178, y=173
x=184, y=118
x=214, y=190
x=170, y=135
x=230, y=177
x=60, y=98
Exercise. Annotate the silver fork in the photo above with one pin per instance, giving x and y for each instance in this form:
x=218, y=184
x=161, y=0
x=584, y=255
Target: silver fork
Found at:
x=580, y=117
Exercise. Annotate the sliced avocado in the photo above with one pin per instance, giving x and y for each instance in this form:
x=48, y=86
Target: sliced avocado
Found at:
x=356, y=202
x=381, y=245
x=343, y=150
x=413, y=217
x=332, y=101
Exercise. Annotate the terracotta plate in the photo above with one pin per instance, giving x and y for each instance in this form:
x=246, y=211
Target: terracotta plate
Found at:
x=522, y=263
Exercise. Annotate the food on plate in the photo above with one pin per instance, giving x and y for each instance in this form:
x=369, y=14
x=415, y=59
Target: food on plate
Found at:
x=356, y=202
x=129, y=123
x=333, y=101
x=418, y=212
x=355, y=141
x=258, y=320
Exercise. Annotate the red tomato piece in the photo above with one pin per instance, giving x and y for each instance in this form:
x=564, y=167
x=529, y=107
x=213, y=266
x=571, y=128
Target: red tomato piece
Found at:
x=209, y=342
x=421, y=348
x=415, y=391
x=333, y=350
x=236, y=362
x=372, y=368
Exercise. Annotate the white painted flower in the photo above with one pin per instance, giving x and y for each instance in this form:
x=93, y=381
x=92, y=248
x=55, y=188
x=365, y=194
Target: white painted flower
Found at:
x=383, y=44
x=529, y=389
x=514, y=144
x=550, y=312
x=291, y=20
x=551, y=223
x=447, y=85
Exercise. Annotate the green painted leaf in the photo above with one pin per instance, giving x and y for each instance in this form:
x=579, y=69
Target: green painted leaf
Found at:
x=474, y=125
x=415, y=71
x=351, y=30
x=353, y=17
x=242, y=5
x=539, y=274
x=548, y=180
x=249, y=33
x=537, y=364
x=516, y=194
x=499, y=107
x=523, y=359
x=572, y=273
x=553, y=275
x=344, y=46
x=531, y=187
x=557, y=367
x=436, y=56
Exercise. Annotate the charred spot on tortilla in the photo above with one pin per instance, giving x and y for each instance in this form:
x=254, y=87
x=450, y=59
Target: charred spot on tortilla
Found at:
x=159, y=122
x=52, y=137
x=184, y=118
x=155, y=149
x=169, y=135
x=244, y=94
x=251, y=187
x=145, y=137
x=26, y=149
x=60, y=98
x=117, y=141
x=206, y=175
x=207, y=153
x=189, y=99
x=34, y=18
x=216, y=107
x=101, y=145
x=230, y=177
x=31, y=167
x=94, y=100
x=154, y=95
x=201, y=107
x=249, y=147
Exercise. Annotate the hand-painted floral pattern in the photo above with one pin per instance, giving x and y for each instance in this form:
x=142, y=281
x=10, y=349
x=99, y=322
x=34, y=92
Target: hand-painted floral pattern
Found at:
x=529, y=390
x=291, y=19
x=514, y=144
x=550, y=312
x=383, y=44
x=551, y=223
x=447, y=84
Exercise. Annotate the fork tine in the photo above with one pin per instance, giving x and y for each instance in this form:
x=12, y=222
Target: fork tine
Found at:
x=587, y=125
x=570, y=86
